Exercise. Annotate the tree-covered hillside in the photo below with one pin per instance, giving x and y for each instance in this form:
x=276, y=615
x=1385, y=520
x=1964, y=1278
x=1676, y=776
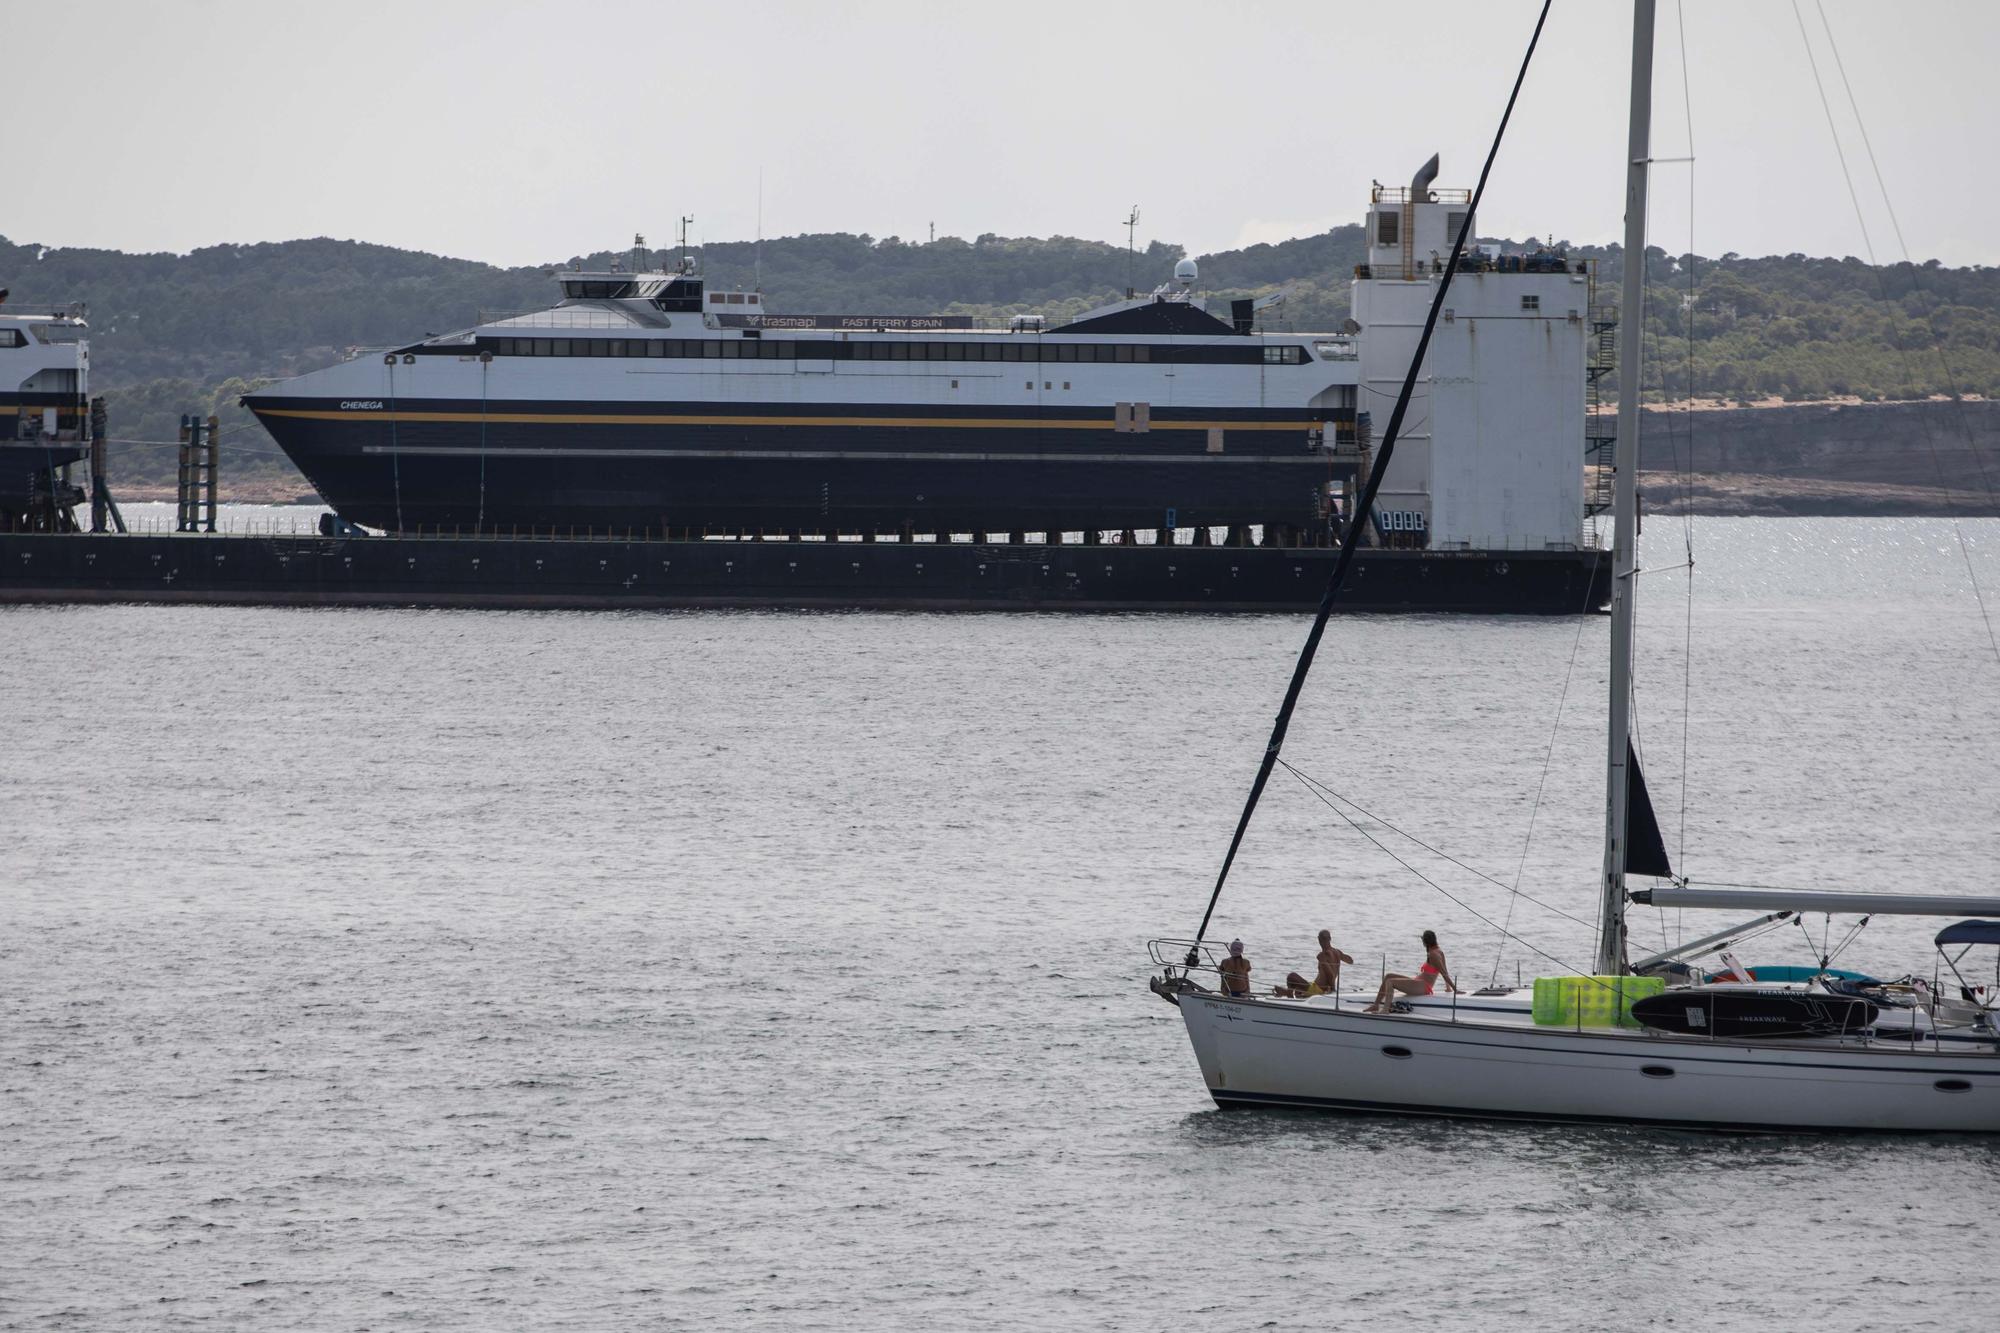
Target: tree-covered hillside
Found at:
x=1799, y=328
x=173, y=333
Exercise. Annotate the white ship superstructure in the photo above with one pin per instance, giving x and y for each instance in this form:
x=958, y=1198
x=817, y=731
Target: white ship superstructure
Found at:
x=44, y=414
x=1496, y=458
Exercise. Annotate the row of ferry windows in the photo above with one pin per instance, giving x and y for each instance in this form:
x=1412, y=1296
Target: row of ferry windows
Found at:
x=789, y=349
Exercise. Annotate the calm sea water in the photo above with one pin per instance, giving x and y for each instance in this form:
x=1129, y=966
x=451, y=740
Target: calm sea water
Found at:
x=401, y=969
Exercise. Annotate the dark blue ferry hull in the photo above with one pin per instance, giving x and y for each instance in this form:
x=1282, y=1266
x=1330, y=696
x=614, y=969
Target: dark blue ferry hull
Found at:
x=652, y=468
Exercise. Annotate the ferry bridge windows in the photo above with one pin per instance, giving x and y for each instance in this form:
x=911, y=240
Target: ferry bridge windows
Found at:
x=1531, y=302
x=597, y=291
x=1284, y=356
x=13, y=338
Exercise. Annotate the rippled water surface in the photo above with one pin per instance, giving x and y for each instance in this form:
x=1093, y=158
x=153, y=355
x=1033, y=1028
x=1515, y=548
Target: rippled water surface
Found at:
x=402, y=969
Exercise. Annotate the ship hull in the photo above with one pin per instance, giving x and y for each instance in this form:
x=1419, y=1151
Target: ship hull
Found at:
x=1259, y=1053
x=538, y=466
x=636, y=575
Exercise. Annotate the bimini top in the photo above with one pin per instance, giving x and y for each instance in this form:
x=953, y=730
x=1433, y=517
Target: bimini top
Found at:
x=1970, y=932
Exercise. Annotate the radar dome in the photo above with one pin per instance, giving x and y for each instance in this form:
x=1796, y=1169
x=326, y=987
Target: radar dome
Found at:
x=1185, y=273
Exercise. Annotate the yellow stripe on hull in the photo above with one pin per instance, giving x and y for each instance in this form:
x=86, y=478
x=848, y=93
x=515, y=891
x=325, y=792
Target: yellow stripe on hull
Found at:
x=608, y=419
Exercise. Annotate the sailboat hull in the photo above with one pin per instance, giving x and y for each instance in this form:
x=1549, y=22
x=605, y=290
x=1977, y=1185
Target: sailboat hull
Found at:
x=1255, y=1052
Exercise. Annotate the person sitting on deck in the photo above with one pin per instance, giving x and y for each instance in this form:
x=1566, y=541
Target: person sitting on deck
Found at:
x=1421, y=984
x=1235, y=970
x=1328, y=979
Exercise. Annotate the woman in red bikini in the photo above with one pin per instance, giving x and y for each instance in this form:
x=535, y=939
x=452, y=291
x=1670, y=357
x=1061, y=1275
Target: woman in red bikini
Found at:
x=1421, y=984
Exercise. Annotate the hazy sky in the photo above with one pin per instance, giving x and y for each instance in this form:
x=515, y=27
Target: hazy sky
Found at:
x=519, y=132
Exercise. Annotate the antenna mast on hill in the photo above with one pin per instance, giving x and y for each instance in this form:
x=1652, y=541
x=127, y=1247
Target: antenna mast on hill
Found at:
x=1131, y=242
x=758, y=283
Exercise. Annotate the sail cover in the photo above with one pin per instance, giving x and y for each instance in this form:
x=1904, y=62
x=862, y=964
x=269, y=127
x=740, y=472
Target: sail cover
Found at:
x=1645, y=850
x=1821, y=900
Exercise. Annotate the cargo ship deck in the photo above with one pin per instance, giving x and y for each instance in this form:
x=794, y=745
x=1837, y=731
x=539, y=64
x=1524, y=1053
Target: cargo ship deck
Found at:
x=638, y=574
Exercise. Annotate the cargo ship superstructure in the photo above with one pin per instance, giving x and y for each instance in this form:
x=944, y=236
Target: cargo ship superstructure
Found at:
x=655, y=403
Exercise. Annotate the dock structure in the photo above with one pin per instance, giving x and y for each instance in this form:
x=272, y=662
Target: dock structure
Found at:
x=638, y=574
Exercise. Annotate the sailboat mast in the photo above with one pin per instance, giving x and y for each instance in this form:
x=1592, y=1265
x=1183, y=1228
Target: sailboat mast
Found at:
x=1625, y=499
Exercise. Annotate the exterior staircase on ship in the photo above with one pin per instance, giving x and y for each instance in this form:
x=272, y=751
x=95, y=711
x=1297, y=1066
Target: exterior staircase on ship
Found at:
x=1600, y=422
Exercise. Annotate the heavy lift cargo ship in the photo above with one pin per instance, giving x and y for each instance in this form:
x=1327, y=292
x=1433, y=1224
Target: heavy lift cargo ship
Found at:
x=1149, y=453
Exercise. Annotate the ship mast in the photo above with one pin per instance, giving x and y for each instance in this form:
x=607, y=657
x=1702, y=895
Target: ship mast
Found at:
x=1625, y=501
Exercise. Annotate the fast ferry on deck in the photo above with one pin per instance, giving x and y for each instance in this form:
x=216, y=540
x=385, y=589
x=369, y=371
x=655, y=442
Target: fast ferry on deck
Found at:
x=649, y=401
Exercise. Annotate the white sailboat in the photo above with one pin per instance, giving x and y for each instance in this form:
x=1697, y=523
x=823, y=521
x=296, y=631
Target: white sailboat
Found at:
x=1928, y=1065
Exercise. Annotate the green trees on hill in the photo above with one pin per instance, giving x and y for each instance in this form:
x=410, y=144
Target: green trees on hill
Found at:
x=175, y=333
x=268, y=309
x=1800, y=328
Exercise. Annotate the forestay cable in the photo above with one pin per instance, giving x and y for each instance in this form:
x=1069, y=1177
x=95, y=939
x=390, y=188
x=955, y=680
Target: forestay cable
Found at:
x=1365, y=504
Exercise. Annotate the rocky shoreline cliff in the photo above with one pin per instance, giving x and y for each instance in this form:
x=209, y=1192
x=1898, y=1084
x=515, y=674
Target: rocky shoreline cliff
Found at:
x=1844, y=458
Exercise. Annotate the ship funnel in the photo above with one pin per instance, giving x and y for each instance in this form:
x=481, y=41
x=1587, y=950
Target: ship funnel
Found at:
x=1420, y=184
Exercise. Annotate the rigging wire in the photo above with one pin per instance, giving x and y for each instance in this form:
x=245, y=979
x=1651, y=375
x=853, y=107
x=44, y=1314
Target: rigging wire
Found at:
x=1742, y=884
x=1882, y=292
x=1319, y=786
x=1687, y=476
x=1548, y=759
x=1442, y=891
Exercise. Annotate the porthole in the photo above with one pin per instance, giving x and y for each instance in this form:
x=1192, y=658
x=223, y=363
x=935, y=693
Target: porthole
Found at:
x=1396, y=1052
x=1952, y=1085
x=1656, y=1071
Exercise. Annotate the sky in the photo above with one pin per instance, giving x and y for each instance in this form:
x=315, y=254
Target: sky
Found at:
x=520, y=132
